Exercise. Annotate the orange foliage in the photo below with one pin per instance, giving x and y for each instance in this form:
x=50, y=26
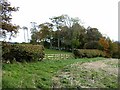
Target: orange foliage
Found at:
x=104, y=43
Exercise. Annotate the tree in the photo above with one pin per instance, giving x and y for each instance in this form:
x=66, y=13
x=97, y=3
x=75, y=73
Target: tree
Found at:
x=68, y=21
x=65, y=36
x=25, y=29
x=92, y=45
x=46, y=29
x=34, y=32
x=7, y=26
x=43, y=32
x=76, y=31
x=58, y=22
x=61, y=22
x=93, y=34
x=113, y=48
x=78, y=35
x=105, y=45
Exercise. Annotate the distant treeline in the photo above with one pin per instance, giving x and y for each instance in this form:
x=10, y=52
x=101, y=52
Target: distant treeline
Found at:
x=66, y=33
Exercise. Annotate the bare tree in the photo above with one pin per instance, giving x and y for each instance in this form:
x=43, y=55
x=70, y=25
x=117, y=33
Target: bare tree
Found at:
x=25, y=29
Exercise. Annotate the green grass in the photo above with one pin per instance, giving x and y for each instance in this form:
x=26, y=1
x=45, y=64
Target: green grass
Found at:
x=51, y=51
x=35, y=74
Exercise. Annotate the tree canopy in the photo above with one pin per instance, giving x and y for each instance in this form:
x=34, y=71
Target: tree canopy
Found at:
x=65, y=32
x=6, y=15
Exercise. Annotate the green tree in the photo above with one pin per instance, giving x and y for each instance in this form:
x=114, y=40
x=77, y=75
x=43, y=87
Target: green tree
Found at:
x=65, y=31
x=58, y=23
x=65, y=36
x=46, y=30
x=76, y=31
x=114, y=48
x=92, y=45
x=93, y=34
x=78, y=35
x=43, y=32
x=34, y=32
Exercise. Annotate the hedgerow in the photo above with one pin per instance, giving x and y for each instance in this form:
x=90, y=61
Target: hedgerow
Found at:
x=89, y=53
x=22, y=52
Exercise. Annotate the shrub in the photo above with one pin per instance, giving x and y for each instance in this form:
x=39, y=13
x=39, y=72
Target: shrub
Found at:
x=22, y=52
x=6, y=51
x=89, y=53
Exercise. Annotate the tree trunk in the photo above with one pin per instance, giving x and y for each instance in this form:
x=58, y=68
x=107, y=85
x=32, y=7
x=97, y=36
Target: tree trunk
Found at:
x=59, y=43
x=27, y=36
x=24, y=36
x=50, y=44
x=50, y=41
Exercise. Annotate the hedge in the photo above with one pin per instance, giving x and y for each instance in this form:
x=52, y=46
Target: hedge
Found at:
x=89, y=53
x=22, y=52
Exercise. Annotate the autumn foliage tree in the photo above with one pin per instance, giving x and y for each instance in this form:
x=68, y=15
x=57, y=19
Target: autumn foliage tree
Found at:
x=104, y=43
x=105, y=46
x=6, y=25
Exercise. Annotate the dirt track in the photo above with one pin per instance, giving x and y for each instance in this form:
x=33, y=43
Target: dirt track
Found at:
x=109, y=65
x=99, y=74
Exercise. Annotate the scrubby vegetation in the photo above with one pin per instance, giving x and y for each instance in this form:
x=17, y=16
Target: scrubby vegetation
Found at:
x=89, y=53
x=22, y=52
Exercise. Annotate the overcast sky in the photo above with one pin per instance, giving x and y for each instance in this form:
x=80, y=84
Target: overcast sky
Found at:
x=101, y=14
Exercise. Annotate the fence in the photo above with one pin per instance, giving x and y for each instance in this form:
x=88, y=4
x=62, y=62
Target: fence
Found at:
x=58, y=56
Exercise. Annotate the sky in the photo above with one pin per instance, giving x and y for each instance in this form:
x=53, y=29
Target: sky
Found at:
x=101, y=14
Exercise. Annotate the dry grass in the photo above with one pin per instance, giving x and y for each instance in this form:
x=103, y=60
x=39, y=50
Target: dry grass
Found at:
x=99, y=74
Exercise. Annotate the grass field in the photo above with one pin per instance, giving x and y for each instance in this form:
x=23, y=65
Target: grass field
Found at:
x=36, y=74
x=51, y=51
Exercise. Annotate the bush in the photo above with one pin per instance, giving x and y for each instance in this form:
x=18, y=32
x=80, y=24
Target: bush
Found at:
x=6, y=51
x=22, y=52
x=89, y=53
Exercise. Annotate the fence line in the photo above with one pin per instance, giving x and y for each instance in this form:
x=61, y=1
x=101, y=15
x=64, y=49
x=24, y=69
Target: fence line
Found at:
x=58, y=56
